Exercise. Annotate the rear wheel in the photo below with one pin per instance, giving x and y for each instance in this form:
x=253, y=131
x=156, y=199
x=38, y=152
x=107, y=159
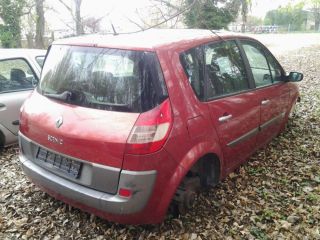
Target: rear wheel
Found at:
x=185, y=196
x=204, y=174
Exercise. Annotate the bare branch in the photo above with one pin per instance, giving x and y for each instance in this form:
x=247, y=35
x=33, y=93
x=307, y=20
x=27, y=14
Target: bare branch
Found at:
x=29, y=9
x=65, y=23
x=161, y=12
x=66, y=6
x=141, y=18
x=177, y=14
x=135, y=23
x=168, y=4
x=175, y=24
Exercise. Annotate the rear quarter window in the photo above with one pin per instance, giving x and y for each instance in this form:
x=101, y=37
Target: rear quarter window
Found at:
x=192, y=64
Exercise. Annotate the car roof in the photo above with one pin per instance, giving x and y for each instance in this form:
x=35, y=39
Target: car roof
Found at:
x=149, y=40
x=20, y=52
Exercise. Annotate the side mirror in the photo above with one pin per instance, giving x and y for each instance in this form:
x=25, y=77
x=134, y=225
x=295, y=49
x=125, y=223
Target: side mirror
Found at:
x=294, y=77
x=34, y=82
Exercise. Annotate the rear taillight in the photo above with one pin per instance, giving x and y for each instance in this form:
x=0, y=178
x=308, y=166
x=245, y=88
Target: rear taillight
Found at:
x=151, y=130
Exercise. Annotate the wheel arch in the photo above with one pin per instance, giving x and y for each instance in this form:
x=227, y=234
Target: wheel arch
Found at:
x=197, y=153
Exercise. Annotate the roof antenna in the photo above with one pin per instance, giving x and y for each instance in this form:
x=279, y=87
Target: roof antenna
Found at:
x=215, y=33
x=114, y=30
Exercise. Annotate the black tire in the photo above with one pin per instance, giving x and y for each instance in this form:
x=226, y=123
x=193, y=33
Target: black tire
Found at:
x=2, y=140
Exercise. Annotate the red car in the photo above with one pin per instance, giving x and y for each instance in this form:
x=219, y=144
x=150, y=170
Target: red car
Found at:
x=123, y=126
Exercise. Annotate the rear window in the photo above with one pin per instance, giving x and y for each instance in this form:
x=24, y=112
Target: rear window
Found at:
x=103, y=78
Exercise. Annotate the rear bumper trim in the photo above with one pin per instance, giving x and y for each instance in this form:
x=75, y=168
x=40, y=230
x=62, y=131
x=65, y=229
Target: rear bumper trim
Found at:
x=141, y=183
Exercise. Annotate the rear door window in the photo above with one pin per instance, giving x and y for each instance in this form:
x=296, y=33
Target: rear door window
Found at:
x=103, y=78
x=225, y=70
x=16, y=75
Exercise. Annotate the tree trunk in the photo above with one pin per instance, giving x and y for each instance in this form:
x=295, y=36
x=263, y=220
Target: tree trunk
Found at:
x=244, y=13
x=17, y=37
x=317, y=19
x=30, y=40
x=40, y=24
x=317, y=26
x=244, y=23
x=79, y=26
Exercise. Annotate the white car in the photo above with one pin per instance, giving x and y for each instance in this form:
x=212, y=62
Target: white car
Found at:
x=19, y=74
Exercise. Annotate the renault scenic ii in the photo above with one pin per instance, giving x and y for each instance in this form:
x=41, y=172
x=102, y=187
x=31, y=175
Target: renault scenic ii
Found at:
x=125, y=126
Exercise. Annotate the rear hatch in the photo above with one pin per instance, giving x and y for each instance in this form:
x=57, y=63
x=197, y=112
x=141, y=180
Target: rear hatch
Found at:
x=89, y=100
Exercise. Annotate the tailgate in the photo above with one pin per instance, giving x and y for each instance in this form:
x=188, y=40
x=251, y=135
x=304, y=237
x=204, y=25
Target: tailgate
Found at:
x=92, y=135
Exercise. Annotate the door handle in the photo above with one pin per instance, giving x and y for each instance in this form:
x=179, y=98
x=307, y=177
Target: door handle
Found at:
x=265, y=102
x=16, y=122
x=2, y=105
x=225, y=118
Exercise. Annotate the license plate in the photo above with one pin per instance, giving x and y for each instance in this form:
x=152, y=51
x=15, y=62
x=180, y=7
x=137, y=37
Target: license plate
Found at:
x=65, y=165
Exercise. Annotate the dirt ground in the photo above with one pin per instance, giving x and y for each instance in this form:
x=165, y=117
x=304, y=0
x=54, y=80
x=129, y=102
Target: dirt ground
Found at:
x=282, y=43
x=276, y=195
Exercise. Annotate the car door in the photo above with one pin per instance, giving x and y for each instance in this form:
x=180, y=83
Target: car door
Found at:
x=17, y=80
x=233, y=112
x=271, y=92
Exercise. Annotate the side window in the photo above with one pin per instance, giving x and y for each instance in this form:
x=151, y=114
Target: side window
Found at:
x=258, y=64
x=225, y=69
x=16, y=74
x=191, y=61
x=276, y=70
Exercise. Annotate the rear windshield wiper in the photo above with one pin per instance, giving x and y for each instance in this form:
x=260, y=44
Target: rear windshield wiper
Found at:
x=66, y=95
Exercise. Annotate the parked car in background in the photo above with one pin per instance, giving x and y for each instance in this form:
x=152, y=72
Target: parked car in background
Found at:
x=122, y=126
x=19, y=74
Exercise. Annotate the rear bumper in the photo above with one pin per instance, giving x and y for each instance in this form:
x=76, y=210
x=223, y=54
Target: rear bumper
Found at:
x=141, y=184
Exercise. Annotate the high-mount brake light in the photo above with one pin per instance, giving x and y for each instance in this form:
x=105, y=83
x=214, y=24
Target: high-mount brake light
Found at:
x=151, y=130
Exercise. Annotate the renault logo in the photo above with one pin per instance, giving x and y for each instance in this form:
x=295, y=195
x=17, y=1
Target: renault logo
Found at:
x=59, y=122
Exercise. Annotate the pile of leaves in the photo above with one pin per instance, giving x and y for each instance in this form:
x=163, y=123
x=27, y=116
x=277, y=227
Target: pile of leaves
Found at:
x=276, y=195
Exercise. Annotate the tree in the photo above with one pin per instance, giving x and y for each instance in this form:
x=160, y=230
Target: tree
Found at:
x=10, y=13
x=245, y=7
x=316, y=13
x=76, y=15
x=290, y=16
x=253, y=21
x=210, y=14
x=91, y=24
x=78, y=20
x=40, y=24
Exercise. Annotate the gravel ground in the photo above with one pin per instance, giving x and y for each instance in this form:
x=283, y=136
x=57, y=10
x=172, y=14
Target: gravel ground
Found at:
x=276, y=195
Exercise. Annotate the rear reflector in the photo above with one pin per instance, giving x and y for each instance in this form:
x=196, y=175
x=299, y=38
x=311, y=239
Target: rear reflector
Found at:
x=151, y=130
x=126, y=193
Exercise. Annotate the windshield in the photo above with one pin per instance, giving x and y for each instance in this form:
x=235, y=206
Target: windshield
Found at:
x=103, y=78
